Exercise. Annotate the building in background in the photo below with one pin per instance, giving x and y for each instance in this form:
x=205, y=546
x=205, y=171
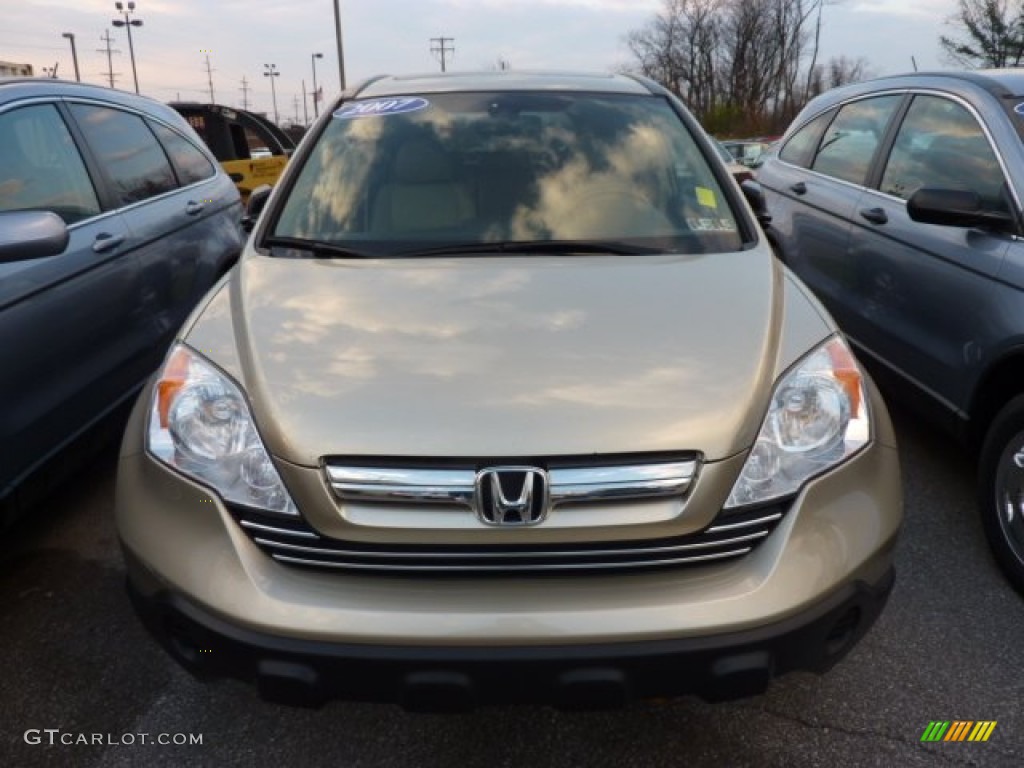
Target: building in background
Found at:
x=11, y=69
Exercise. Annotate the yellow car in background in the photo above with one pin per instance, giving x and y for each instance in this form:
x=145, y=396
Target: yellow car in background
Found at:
x=252, y=150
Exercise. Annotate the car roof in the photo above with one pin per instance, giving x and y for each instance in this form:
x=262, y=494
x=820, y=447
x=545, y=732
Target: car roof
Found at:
x=19, y=88
x=500, y=80
x=1001, y=83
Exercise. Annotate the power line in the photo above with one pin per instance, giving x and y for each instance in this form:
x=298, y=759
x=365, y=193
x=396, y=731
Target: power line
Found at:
x=442, y=49
x=110, y=58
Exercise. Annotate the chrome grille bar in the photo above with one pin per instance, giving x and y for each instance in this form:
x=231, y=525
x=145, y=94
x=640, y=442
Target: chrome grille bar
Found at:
x=766, y=520
x=541, y=554
x=458, y=486
x=297, y=544
x=505, y=568
x=423, y=486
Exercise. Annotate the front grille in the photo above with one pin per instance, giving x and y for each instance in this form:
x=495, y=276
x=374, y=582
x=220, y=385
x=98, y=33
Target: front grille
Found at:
x=292, y=542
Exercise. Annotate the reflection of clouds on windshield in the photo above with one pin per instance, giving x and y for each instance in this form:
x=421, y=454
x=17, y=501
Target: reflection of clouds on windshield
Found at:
x=331, y=199
x=577, y=201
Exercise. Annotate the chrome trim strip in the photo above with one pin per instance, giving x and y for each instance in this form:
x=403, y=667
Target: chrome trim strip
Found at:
x=401, y=476
x=745, y=524
x=279, y=531
x=424, y=486
x=507, y=568
x=458, y=486
x=522, y=554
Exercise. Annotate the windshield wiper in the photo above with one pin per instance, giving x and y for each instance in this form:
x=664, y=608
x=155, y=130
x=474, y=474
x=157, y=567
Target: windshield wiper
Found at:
x=540, y=247
x=316, y=248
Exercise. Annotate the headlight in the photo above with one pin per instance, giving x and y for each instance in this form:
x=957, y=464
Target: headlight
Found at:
x=817, y=418
x=199, y=423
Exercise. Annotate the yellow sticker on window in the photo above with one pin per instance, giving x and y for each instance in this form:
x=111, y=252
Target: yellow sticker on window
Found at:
x=706, y=197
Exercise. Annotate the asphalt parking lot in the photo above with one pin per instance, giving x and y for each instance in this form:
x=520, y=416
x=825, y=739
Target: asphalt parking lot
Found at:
x=947, y=648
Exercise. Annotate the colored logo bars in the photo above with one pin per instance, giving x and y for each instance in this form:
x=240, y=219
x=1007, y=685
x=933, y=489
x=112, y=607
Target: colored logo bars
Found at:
x=958, y=730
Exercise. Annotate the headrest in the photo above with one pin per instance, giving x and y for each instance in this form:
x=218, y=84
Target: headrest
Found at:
x=420, y=162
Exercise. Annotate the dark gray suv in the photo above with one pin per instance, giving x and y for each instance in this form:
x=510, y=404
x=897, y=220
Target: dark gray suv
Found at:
x=114, y=220
x=898, y=201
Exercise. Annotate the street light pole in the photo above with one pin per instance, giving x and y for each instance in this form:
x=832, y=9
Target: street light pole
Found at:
x=271, y=72
x=341, y=52
x=128, y=24
x=313, y=58
x=74, y=54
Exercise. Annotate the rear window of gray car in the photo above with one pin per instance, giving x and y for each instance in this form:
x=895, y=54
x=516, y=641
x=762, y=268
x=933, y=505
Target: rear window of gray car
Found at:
x=129, y=153
x=464, y=168
x=189, y=162
x=850, y=141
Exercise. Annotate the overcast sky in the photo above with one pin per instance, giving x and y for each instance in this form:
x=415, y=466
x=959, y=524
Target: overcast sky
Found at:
x=394, y=36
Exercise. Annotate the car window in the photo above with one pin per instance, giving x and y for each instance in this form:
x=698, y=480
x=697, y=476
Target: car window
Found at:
x=464, y=168
x=189, y=162
x=941, y=145
x=40, y=167
x=799, y=150
x=128, y=152
x=847, y=147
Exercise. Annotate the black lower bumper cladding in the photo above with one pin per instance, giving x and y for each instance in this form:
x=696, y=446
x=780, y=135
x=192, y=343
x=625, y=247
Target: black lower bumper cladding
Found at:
x=600, y=676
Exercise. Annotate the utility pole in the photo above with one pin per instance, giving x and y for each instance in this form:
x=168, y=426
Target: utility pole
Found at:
x=110, y=59
x=305, y=111
x=442, y=49
x=295, y=102
x=245, y=94
x=313, y=57
x=209, y=78
x=128, y=23
x=271, y=72
x=74, y=54
x=341, y=51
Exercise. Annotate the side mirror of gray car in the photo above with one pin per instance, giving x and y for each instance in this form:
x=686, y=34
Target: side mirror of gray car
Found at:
x=257, y=202
x=31, y=235
x=754, y=193
x=953, y=208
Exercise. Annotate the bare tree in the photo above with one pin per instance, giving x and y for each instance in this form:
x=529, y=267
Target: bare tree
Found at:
x=992, y=34
x=838, y=71
x=735, y=62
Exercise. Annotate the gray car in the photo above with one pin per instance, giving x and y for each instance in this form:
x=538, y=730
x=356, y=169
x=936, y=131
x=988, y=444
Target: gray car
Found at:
x=114, y=220
x=898, y=201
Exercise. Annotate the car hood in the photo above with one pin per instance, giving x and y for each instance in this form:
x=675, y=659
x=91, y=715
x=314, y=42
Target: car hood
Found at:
x=507, y=357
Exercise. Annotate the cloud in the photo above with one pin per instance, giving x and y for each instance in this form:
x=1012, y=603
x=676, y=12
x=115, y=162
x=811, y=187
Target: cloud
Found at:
x=631, y=6
x=906, y=8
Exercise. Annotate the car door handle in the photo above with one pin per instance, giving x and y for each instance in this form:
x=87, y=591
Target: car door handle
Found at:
x=874, y=215
x=192, y=207
x=106, y=242
x=799, y=188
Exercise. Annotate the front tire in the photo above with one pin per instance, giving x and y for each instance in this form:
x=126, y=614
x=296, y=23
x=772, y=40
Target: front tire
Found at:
x=1001, y=490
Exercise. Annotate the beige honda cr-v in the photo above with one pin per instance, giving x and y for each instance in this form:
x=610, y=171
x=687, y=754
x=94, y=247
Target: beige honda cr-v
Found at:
x=508, y=401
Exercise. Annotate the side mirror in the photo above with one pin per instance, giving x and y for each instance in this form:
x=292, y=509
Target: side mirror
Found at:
x=755, y=196
x=28, y=235
x=953, y=208
x=257, y=202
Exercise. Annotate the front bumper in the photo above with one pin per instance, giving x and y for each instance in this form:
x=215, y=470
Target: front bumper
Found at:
x=800, y=600
x=582, y=676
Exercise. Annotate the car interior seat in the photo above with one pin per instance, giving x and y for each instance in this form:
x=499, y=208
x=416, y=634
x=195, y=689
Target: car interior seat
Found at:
x=422, y=192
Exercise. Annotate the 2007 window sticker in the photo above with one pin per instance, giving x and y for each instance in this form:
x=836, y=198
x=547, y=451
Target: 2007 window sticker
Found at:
x=400, y=105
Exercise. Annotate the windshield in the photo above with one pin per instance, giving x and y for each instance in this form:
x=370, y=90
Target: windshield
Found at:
x=391, y=175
